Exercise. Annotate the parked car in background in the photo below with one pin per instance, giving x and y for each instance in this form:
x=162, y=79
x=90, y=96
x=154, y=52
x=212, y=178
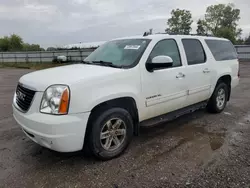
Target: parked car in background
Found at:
x=60, y=59
x=125, y=83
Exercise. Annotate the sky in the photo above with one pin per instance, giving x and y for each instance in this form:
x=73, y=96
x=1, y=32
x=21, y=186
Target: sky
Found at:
x=62, y=22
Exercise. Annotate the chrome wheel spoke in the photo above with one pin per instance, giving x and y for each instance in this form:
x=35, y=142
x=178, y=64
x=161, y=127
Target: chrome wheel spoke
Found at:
x=109, y=124
x=120, y=132
x=217, y=99
x=116, y=141
x=220, y=99
x=105, y=135
x=117, y=124
x=108, y=142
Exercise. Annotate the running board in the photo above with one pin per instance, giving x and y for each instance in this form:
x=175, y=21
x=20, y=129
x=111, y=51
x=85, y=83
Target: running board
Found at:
x=173, y=115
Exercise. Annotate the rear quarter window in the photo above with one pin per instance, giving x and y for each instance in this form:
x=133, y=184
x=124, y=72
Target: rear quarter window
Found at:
x=222, y=50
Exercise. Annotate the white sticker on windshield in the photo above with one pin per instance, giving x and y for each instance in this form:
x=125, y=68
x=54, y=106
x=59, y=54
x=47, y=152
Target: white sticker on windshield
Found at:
x=132, y=47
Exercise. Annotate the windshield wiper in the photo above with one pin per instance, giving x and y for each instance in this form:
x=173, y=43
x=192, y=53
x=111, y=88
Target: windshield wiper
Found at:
x=87, y=62
x=101, y=63
x=106, y=63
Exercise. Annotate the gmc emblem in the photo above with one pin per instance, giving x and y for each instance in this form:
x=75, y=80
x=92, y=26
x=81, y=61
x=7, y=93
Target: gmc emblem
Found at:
x=20, y=95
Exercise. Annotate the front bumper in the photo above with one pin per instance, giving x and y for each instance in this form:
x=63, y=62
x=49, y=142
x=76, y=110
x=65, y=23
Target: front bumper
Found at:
x=63, y=133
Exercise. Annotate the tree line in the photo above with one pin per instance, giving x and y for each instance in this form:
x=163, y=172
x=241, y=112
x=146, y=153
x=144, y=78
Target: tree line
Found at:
x=14, y=43
x=219, y=20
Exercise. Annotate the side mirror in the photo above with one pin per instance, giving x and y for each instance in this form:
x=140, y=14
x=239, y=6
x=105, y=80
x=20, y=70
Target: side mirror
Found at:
x=159, y=62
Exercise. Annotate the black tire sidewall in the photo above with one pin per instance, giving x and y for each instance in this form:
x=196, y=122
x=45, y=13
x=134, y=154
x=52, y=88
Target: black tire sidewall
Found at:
x=101, y=119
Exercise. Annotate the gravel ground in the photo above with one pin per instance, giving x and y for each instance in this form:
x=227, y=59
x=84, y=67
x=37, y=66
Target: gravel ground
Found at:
x=196, y=150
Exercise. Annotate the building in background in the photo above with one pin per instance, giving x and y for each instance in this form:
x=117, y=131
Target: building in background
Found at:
x=84, y=45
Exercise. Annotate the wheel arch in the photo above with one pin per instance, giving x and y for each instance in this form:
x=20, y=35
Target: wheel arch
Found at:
x=127, y=102
x=227, y=79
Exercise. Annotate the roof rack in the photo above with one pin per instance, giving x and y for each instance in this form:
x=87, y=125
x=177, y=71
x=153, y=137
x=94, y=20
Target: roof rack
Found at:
x=162, y=33
x=148, y=33
x=205, y=35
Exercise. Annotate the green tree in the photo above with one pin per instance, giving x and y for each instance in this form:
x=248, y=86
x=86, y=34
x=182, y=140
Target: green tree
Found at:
x=15, y=43
x=222, y=21
x=51, y=49
x=247, y=41
x=180, y=22
x=32, y=47
x=226, y=32
x=4, y=44
x=240, y=41
x=201, y=27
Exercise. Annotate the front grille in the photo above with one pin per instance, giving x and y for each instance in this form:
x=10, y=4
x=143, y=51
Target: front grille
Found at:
x=24, y=97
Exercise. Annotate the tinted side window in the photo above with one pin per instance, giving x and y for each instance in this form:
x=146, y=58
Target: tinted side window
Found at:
x=169, y=48
x=222, y=50
x=194, y=51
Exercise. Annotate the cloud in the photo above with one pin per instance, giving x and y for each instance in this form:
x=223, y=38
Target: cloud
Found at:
x=59, y=22
x=29, y=11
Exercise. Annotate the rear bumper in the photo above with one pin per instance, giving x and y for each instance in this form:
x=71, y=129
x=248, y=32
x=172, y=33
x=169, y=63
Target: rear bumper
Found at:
x=60, y=133
x=235, y=82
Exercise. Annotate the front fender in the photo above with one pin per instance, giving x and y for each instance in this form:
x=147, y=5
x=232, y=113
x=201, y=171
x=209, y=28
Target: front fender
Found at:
x=88, y=101
x=85, y=96
x=109, y=97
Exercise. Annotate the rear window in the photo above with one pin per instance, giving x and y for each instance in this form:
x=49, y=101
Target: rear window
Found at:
x=222, y=50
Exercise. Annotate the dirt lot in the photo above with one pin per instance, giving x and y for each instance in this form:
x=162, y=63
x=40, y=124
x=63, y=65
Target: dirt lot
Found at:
x=196, y=150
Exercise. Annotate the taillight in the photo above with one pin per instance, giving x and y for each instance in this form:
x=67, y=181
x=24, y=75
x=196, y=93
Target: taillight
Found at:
x=238, y=68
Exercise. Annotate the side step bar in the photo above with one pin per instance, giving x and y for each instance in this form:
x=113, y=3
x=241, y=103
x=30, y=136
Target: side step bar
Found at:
x=173, y=115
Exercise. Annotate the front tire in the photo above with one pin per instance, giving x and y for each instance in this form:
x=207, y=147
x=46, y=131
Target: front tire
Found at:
x=111, y=131
x=218, y=101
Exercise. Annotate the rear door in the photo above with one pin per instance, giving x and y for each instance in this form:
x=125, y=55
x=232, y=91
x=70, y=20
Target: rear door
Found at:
x=198, y=71
x=226, y=61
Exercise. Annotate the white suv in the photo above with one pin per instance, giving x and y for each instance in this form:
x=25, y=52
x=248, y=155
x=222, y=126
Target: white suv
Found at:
x=126, y=83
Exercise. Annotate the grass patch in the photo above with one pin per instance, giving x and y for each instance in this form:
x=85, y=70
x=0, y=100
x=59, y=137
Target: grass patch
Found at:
x=35, y=66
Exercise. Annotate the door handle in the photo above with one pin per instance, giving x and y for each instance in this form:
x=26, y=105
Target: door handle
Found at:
x=206, y=71
x=180, y=75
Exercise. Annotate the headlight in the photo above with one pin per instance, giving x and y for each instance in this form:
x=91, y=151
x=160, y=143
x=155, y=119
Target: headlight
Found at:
x=55, y=100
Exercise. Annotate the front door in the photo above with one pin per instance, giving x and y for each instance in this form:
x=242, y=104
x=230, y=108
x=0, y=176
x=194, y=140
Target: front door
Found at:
x=164, y=90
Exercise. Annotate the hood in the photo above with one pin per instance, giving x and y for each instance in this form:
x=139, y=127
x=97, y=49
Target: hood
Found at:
x=68, y=75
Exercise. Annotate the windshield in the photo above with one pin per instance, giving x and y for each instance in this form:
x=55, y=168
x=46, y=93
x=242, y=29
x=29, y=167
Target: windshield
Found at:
x=124, y=53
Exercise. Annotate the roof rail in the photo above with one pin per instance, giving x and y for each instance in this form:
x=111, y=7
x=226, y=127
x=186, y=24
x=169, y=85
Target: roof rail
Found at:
x=162, y=33
x=204, y=35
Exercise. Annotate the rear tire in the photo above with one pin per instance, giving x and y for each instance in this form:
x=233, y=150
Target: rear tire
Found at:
x=110, y=133
x=218, y=100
